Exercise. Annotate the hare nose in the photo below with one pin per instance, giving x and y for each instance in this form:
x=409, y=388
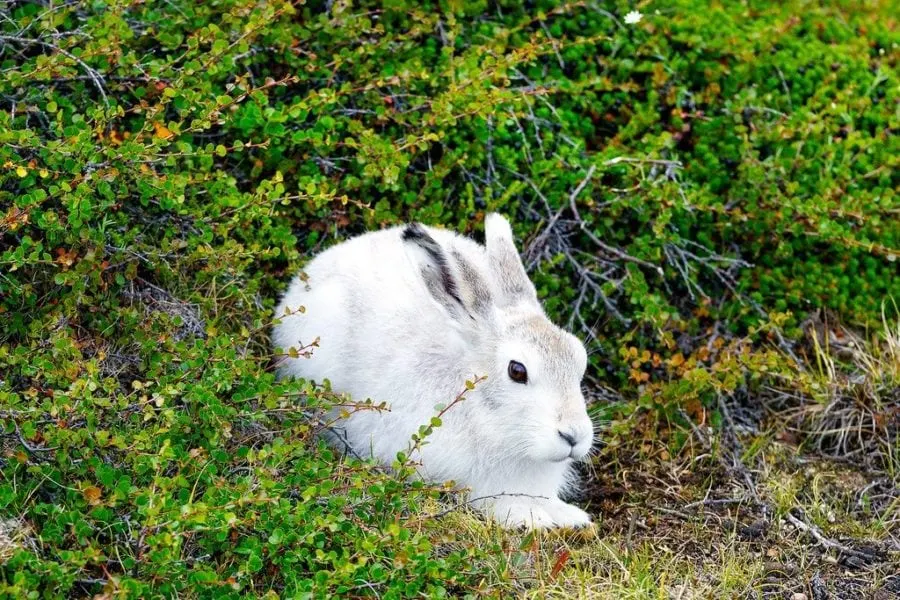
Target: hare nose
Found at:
x=568, y=436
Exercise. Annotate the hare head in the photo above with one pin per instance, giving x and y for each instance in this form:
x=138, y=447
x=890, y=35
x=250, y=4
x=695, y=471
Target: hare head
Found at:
x=537, y=366
x=532, y=396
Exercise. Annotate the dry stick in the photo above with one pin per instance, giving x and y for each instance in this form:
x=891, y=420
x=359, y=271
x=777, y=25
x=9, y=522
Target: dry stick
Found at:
x=737, y=463
x=587, y=282
x=342, y=437
x=827, y=542
x=31, y=449
x=641, y=161
x=632, y=522
x=717, y=502
x=578, y=189
x=94, y=76
x=619, y=253
x=673, y=512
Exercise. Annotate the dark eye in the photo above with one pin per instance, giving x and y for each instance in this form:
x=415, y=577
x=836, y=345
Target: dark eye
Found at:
x=517, y=372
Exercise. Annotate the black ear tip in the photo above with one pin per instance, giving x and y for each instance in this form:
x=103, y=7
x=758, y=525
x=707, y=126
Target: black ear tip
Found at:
x=414, y=231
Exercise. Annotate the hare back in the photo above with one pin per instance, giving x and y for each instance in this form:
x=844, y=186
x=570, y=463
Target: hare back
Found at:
x=380, y=334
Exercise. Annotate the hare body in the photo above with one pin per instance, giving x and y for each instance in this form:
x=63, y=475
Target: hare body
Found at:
x=405, y=316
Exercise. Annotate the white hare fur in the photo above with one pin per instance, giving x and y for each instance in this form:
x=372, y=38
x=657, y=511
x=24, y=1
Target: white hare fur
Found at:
x=405, y=316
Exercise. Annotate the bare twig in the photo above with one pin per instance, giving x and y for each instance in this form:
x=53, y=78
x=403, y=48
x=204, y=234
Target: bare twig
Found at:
x=737, y=463
x=717, y=502
x=574, y=195
x=31, y=449
x=540, y=239
x=828, y=542
x=95, y=77
x=643, y=161
x=619, y=253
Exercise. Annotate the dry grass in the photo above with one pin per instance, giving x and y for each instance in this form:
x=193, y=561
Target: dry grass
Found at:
x=847, y=405
x=15, y=534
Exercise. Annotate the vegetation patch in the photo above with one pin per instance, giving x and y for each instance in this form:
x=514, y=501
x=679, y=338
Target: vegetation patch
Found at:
x=706, y=193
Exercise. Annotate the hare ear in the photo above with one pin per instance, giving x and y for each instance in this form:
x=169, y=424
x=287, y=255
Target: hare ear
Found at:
x=450, y=279
x=506, y=266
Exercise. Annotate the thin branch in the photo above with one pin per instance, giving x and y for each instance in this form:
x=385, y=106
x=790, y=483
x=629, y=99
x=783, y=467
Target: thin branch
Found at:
x=31, y=449
x=553, y=220
x=619, y=253
x=95, y=77
x=828, y=543
x=578, y=190
x=643, y=161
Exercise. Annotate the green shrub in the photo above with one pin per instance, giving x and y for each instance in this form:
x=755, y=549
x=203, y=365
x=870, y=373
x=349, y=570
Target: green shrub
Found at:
x=687, y=187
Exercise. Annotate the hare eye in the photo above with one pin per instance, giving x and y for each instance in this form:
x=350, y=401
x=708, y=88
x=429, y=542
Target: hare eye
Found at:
x=517, y=372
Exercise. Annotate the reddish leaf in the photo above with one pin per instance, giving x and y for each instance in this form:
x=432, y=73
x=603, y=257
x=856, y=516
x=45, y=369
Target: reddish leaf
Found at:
x=561, y=560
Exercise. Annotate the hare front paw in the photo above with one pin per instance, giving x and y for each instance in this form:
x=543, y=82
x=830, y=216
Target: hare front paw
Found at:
x=540, y=514
x=569, y=515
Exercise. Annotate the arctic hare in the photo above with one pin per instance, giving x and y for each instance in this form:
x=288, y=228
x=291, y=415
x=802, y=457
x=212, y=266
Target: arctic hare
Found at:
x=405, y=316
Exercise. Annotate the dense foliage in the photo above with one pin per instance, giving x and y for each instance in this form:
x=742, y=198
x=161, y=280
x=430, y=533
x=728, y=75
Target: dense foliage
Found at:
x=687, y=187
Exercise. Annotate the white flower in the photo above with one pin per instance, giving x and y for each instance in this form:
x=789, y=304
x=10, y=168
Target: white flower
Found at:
x=633, y=17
